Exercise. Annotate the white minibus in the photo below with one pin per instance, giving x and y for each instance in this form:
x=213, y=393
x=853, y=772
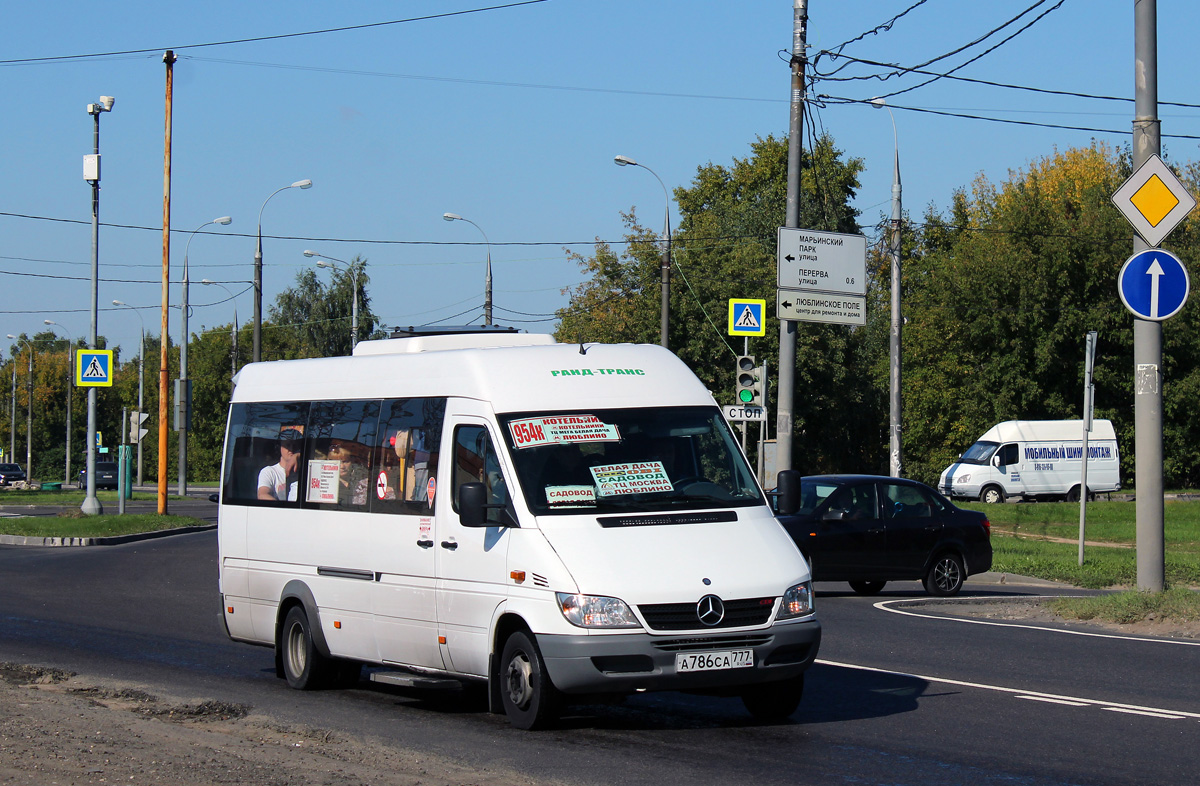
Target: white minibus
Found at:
x=1035, y=459
x=556, y=522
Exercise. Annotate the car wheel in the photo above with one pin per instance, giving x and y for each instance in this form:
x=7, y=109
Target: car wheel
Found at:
x=304, y=667
x=992, y=495
x=530, y=700
x=867, y=587
x=945, y=576
x=1073, y=495
x=774, y=701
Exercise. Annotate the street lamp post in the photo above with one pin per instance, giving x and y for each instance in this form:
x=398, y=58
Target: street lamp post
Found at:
x=141, y=379
x=29, y=415
x=70, y=338
x=894, y=410
x=234, y=332
x=258, y=289
x=666, y=249
x=183, y=398
x=353, y=282
x=91, y=172
x=487, y=280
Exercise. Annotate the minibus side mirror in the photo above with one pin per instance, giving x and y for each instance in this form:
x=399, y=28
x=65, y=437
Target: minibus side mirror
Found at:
x=996, y=461
x=788, y=492
x=214, y=497
x=473, y=507
x=472, y=511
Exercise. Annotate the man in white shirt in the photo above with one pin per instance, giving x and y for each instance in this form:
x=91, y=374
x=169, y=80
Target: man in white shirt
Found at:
x=278, y=481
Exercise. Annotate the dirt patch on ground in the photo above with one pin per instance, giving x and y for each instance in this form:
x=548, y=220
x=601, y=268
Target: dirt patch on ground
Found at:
x=56, y=728
x=1034, y=611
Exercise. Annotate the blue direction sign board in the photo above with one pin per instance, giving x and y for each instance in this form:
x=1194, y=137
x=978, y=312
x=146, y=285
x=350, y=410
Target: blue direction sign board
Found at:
x=1153, y=284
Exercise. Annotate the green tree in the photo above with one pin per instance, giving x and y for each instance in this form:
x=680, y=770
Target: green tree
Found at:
x=312, y=319
x=725, y=248
x=999, y=296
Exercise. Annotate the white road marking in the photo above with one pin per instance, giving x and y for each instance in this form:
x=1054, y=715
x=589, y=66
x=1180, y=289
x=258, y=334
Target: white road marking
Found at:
x=885, y=605
x=1167, y=716
x=1055, y=701
x=1026, y=694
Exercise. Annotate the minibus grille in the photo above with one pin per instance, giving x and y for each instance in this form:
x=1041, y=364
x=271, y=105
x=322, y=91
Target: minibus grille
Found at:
x=712, y=642
x=685, y=616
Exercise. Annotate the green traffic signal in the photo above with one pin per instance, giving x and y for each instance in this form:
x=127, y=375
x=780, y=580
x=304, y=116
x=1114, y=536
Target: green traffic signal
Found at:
x=747, y=396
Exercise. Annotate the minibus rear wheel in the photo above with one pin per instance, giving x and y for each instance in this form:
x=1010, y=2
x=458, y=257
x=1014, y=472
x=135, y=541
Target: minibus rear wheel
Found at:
x=530, y=700
x=304, y=667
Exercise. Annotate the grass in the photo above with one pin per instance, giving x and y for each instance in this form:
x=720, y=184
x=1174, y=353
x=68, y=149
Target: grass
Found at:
x=1177, y=604
x=76, y=525
x=1022, y=544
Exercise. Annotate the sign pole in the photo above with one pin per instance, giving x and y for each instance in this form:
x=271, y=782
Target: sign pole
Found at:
x=1089, y=360
x=1147, y=334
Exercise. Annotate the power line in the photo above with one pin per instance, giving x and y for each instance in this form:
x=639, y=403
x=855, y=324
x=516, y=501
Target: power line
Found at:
x=62, y=58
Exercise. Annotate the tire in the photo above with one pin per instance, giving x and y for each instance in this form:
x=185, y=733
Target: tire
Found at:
x=867, y=587
x=530, y=700
x=1073, y=495
x=774, y=701
x=991, y=495
x=945, y=576
x=303, y=666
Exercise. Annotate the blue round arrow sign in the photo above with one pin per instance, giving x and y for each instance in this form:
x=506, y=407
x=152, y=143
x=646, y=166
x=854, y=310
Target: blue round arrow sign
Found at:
x=1153, y=284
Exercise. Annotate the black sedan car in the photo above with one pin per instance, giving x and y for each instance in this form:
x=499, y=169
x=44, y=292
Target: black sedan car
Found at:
x=869, y=530
x=106, y=475
x=10, y=474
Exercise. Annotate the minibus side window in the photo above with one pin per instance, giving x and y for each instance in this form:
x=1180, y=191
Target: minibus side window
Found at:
x=337, y=460
x=265, y=446
x=405, y=456
x=475, y=461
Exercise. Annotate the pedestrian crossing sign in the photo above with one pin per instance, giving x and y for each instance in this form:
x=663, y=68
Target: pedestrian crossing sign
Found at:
x=747, y=317
x=93, y=368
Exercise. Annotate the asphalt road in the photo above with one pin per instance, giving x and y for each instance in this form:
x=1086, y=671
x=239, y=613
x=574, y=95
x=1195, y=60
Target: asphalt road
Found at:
x=894, y=699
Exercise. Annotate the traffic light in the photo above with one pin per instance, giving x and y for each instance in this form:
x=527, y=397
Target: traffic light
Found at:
x=748, y=382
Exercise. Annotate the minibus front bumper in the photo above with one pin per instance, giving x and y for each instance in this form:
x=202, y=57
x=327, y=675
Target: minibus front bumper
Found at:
x=625, y=663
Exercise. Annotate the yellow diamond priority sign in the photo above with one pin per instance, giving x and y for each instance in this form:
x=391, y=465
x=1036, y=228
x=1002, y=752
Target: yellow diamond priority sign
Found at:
x=1154, y=201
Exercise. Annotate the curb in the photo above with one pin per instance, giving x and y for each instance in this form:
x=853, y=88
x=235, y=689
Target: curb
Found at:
x=991, y=577
x=110, y=540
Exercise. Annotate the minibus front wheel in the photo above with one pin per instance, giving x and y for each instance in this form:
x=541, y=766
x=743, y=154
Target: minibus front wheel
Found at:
x=530, y=700
x=303, y=665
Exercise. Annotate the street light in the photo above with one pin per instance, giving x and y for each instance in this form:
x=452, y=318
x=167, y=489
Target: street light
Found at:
x=353, y=281
x=91, y=173
x=52, y=324
x=141, y=378
x=234, y=333
x=894, y=412
x=29, y=416
x=666, y=252
x=487, y=280
x=258, y=289
x=183, y=398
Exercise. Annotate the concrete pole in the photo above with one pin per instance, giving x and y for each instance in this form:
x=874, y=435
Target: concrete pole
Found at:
x=787, y=329
x=1147, y=334
x=91, y=505
x=895, y=413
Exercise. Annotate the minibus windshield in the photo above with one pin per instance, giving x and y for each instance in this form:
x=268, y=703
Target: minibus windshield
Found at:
x=628, y=460
x=979, y=453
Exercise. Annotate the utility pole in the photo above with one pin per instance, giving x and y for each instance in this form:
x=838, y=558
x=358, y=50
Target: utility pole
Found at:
x=1147, y=334
x=164, y=371
x=787, y=328
x=895, y=413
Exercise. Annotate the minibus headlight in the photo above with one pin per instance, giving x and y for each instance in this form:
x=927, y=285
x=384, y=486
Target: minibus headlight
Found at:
x=797, y=601
x=593, y=611
x=962, y=478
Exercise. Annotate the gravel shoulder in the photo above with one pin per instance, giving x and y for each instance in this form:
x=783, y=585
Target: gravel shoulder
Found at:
x=57, y=728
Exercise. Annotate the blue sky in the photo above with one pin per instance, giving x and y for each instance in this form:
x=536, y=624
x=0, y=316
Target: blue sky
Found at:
x=509, y=117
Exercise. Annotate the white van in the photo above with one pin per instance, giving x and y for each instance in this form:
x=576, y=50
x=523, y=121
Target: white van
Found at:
x=1035, y=459
x=555, y=521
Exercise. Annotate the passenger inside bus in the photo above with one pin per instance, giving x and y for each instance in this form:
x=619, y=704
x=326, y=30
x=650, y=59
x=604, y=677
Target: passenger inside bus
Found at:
x=278, y=481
